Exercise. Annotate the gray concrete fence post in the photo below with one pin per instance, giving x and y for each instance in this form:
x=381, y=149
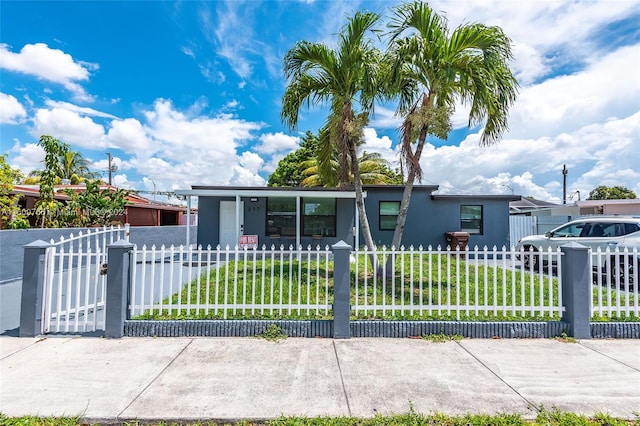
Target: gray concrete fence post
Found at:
x=118, y=255
x=32, y=288
x=341, y=290
x=576, y=289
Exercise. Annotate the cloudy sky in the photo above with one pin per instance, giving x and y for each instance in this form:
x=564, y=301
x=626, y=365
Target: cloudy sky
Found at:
x=189, y=93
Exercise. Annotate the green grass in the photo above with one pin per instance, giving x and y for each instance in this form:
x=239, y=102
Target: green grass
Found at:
x=447, y=280
x=442, y=338
x=430, y=280
x=278, y=285
x=544, y=418
x=273, y=333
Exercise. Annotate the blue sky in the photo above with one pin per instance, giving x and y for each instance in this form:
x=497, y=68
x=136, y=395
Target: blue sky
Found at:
x=188, y=93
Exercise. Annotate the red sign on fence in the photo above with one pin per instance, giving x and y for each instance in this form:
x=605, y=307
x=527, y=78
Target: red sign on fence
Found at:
x=248, y=241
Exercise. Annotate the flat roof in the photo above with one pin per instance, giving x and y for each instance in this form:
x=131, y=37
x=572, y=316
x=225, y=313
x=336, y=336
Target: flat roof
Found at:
x=264, y=191
x=290, y=191
x=484, y=197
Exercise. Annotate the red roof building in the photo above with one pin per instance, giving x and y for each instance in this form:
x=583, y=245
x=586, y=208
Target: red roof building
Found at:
x=139, y=211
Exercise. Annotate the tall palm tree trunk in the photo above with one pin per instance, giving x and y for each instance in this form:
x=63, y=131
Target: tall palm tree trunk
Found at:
x=362, y=212
x=414, y=171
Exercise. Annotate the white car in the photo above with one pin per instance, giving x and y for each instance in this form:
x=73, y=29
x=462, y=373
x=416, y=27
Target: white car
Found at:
x=597, y=231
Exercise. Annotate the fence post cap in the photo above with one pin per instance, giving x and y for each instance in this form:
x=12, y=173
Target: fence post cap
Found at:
x=38, y=243
x=573, y=246
x=341, y=245
x=121, y=243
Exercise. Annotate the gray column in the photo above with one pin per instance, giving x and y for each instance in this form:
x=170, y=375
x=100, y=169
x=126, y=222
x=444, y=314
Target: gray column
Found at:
x=32, y=289
x=341, y=290
x=118, y=255
x=576, y=289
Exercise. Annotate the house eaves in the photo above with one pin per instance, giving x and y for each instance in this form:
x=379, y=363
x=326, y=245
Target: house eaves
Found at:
x=230, y=191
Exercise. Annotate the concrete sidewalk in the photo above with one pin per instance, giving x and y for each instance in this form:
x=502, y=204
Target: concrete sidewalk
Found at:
x=250, y=378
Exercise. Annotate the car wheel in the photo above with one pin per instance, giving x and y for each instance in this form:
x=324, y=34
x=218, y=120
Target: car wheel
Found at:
x=531, y=257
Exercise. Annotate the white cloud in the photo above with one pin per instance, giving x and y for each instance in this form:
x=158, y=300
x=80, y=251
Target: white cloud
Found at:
x=11, y=111
x=271, y=143
x=129, y=136
x=49, y=64
x=182, y=137
x=244, y=177
x=78, y=109
x=380, y=145
x=69, y=127
x=606, y=88
x=29, y=157
x=270, y=166
x=178, y=149
x=229, y=43
x=596, y=154
x=528, y=65
x=385, y=118
x=251, y=162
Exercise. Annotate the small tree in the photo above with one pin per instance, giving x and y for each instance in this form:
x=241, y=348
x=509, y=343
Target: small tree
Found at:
x=288, y=172
x=9, y=203
x=47, y=206
x=94, y=206
x=603, y=192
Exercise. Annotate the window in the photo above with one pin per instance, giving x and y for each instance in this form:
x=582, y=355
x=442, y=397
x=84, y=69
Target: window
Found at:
x=281, y=216
x=471, y=219
x=319, y=217
x=571, y=230
x=389, y=211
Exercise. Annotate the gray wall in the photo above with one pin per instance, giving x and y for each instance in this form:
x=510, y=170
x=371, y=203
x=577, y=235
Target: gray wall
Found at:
x=418, y=222
x=445, y=217
x=208, y=227
x=428, y=219
x=12, y=242
x=255, y=222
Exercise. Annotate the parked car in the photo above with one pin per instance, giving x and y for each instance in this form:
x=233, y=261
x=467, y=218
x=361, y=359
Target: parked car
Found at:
x=595, y=232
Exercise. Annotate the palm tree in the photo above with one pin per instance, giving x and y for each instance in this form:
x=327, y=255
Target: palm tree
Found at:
x=374, y=170
x=72, y=166
x=431, y=69
x=341, y=77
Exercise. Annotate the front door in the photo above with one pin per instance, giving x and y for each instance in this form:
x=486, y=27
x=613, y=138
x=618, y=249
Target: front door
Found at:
x=228, y=234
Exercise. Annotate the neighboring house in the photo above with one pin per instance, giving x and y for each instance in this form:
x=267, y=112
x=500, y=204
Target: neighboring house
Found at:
x=621, y=207
x=311, y=216
x=533, y=207
x=139, y=211
x=528, y=206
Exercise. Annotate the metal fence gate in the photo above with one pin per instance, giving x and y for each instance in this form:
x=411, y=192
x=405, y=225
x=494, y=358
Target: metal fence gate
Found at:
x=75, y=281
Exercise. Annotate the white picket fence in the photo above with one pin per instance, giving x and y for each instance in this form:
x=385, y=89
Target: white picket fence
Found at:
x=616, y=283
x=445, y=284
x=416, y=283
x=230, y=283
x=75, y=280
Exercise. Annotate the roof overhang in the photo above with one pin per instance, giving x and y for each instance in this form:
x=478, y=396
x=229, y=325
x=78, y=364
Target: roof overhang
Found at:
x=475, y=197
x=267, y=192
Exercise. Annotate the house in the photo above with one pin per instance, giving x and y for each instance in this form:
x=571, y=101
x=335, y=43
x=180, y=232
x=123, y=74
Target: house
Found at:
x=529, y=205
x=532, y=207
x=312, y=216
x=139, y=211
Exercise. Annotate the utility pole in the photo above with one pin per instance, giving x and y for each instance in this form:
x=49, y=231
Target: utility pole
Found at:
x=564, y=184
x=110, y=168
